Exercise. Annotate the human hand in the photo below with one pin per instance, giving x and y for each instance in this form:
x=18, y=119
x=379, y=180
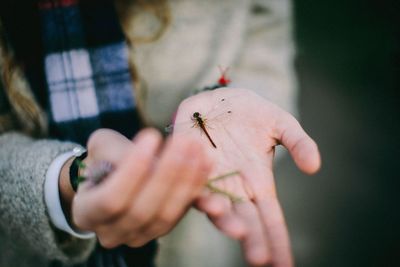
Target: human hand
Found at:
x=149, y=190
x=245, y=139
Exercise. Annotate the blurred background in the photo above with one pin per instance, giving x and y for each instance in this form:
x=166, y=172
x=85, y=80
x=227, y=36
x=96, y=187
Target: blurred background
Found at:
x=348, y=67
x=349, y=70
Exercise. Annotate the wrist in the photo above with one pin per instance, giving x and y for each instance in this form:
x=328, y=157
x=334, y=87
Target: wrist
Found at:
x=58, y=195
x=66, y=191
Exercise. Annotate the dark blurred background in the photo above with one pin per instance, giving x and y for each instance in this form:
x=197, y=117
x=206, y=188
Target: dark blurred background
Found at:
x=349, y=71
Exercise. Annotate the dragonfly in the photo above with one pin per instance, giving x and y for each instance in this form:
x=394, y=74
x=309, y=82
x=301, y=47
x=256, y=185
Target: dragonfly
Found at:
x=197, y=117
x=216, y=117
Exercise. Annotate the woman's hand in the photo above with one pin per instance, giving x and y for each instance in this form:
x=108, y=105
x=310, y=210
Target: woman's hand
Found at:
x=245, y=137
x=150, y=189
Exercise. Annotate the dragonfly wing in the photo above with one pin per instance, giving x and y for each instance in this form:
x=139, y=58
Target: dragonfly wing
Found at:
x=180, y=126
x=215, y=115
x=220, y=115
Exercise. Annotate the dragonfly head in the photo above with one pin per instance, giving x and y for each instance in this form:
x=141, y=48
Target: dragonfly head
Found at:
x=196, y=115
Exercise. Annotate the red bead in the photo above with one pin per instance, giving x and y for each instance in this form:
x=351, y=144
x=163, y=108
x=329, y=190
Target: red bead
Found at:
x=223, y=80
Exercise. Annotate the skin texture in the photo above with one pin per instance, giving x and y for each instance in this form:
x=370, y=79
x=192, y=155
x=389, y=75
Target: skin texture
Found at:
x=153, y=185
x=150, y=189
x=246, y=128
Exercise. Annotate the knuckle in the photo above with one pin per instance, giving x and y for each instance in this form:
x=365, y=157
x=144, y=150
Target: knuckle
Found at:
x=167, y=218
x=111, y=207
x=139, y=242
x=199, y=179
x=108, y=242
x=159, y=230
x=141, y=236
x=140, y=217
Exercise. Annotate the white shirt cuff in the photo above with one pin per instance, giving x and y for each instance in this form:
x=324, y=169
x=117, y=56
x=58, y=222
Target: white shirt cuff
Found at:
x=52, y=195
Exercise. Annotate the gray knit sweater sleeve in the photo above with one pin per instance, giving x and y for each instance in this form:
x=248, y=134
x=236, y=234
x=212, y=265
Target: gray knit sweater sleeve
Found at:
x=27, y=237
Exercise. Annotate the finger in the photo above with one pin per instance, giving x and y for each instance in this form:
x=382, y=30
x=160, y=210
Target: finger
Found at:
x=110, y=198
x=176, y=203
x=222, y=215
x=255, y=243
x=134, y=167
x=276, y=230
x=106, y=237
x=108, y=145
x=156, y=208
x=137, y=242
x=112, y=234
x=188, y=187
x=301, y=147
x=177, y=158
x=212, y=206
x=270, y=215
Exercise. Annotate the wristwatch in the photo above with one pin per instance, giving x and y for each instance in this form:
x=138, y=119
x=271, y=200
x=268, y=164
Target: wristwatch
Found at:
x=80, y=154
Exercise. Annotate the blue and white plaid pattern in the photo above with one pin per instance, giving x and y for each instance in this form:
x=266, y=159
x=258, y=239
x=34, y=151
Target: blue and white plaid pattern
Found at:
x=89, y=87
x=78, y=90
x=86, y=68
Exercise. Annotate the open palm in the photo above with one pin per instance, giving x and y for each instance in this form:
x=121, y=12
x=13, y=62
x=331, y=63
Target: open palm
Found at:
x=245, y=129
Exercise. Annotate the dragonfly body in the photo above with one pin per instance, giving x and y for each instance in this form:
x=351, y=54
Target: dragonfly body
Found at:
x=200, y=122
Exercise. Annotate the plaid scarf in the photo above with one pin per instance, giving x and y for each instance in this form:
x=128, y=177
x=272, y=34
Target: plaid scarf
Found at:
x=86, y=69
x=89, y=87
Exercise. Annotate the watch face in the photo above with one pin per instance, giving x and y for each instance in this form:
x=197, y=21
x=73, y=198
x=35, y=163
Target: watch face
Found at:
x=78, y=151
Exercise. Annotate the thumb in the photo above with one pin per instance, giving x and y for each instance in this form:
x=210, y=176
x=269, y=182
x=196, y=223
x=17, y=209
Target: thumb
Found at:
x=302, y=148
